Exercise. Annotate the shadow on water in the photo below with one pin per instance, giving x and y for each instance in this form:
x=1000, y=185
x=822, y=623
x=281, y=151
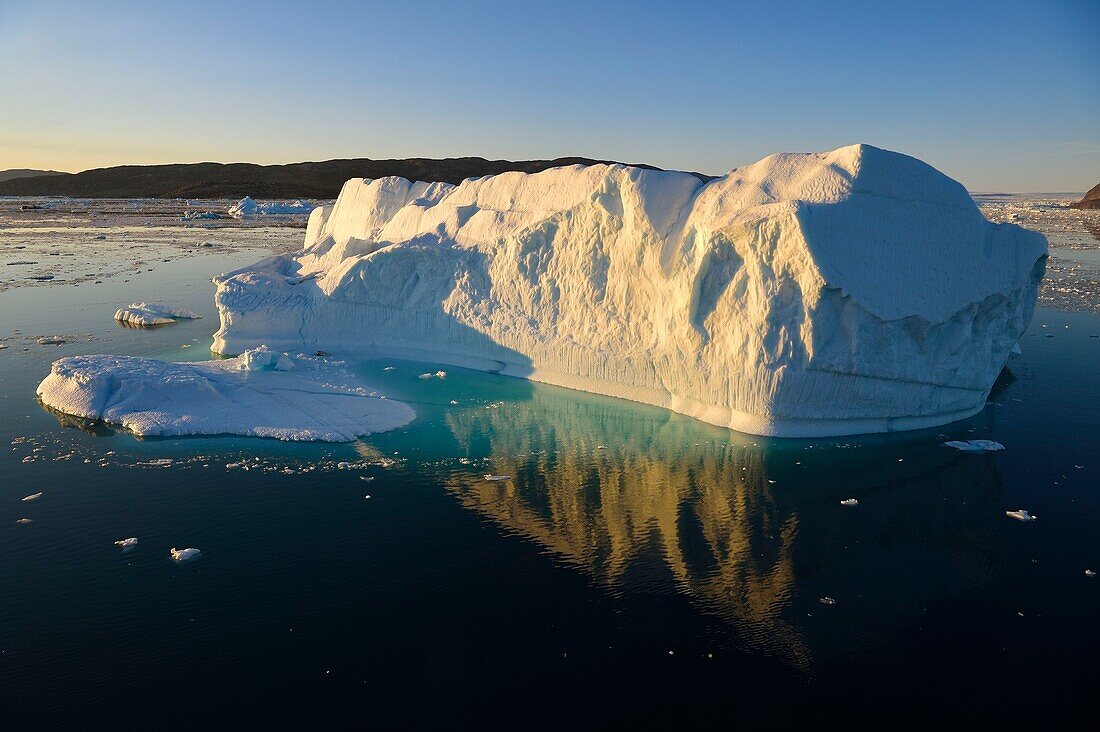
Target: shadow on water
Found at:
x=94, y=427
x=750, y=530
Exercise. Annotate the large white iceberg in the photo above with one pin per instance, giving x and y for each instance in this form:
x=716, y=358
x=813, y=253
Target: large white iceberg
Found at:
x=260, y=393
x=835, y=293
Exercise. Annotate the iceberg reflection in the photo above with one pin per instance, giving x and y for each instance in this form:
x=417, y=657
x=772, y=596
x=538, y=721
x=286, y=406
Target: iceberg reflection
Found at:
x=751, y=531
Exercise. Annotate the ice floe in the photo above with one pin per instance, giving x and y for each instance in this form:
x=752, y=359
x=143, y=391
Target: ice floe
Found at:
x=849, y=502
x=127, y=543
x=1020, y=514
x=32, y=497
x=975, y=445
x=261, y=394
x=184, y=555
x=146, y=314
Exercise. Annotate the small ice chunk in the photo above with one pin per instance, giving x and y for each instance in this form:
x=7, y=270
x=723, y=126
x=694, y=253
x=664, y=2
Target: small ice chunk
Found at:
x=127, y=543
x=826, y=600
x=24, y=521
x=1090, y=573
x=183, y=555
x=491, y=477
x=367, y=478
x=1020, y=514
x=264, y=359
x=849, y=502
x=32, y=497
x=975, y=445
x=144, y=314
x=389, y=368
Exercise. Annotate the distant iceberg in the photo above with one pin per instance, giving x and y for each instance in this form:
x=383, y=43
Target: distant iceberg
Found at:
x=853, y=291
x=260, y=393
x=246, y=207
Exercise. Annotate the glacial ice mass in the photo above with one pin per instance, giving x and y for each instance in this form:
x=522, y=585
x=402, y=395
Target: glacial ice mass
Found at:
x=853, y=291
x=260, y=393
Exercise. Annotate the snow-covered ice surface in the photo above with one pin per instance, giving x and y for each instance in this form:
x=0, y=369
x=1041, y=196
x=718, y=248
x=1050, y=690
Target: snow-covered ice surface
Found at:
x=846, y=292
x=260, y=394
x=146, y=314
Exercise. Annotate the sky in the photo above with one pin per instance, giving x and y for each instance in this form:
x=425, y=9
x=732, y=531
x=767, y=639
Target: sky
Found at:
x=1002, y=96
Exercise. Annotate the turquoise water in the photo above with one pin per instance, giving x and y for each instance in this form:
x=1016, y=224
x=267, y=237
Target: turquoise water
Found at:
x=637, y=565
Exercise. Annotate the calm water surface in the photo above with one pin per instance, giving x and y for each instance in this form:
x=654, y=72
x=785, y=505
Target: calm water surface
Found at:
x=637, y=566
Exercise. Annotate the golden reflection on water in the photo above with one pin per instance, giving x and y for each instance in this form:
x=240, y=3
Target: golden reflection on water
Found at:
x=658, y=504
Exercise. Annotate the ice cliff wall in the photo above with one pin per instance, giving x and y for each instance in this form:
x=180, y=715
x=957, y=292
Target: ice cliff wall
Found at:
x=853, y=291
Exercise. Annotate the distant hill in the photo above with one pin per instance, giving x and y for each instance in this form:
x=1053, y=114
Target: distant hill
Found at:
x=14, y=173
x=235, y=180
x=1091, y=199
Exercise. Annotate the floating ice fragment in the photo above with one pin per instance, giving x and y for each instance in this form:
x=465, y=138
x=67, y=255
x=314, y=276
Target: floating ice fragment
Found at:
x=127, y=543
x=849, y=502
x=975, y=445
x=826, y=600
x=183, y=555
x=1090, y=573
x=24, y=521
x=367, y=478
x=436, y=375
x=32, y=497
x=144, y=315
x=1020, y=514
x=491, y=477
x=242, y=396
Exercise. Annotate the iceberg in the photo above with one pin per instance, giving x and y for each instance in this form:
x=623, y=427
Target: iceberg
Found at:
x=246, y=208
x=260, y=393
x=805, y=295
x=144, y=315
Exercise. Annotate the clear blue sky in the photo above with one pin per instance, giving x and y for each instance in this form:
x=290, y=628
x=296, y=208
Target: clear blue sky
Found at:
x=1001, y=95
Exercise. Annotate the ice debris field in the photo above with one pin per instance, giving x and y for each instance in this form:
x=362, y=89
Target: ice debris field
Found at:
x=837, y=293
x=260, y=393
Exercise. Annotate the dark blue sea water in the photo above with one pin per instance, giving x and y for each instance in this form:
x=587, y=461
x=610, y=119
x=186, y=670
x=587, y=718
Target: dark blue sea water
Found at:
x=638, y=567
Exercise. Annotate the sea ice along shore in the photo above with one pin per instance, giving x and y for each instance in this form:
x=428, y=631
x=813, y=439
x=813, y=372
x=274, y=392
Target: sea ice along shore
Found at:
x=847, y=292
x=260, y=393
